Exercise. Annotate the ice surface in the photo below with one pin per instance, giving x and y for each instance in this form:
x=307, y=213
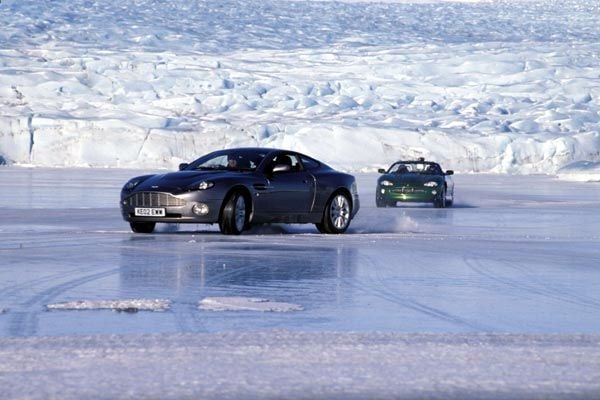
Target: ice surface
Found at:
x=300, y=365
x=509, y=87
x=494, y=298
x=514, y=254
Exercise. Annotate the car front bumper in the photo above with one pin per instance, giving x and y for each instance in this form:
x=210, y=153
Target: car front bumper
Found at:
x=410, y=194
x=182, y=208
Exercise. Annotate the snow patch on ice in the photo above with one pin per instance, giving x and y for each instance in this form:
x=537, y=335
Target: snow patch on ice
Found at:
x=245, y=304
x=131, y=305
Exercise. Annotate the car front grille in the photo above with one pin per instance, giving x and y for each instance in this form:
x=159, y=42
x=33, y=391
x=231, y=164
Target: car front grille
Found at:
x=154, y=199
x=407, y=190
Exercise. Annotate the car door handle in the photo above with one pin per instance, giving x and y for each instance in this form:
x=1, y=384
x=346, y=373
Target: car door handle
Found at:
x=262, y=187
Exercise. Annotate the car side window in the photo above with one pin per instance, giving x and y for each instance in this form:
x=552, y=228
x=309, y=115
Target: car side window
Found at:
x=289, y=160
x=436, y=170
x=309, y=163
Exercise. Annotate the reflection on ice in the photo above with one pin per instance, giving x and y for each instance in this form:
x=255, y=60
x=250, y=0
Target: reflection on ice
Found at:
x=212, y=268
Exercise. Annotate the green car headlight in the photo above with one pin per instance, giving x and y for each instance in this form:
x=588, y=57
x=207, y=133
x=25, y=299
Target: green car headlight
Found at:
x=430, y=184
x=385, y=182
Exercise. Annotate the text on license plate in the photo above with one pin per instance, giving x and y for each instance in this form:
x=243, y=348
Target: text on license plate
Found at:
x=149, y=212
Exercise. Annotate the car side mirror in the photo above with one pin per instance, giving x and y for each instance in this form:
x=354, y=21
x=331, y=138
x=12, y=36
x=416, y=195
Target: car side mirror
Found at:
x=183, y=166
x=381, y=171
x=281, y=168
x=449, y=172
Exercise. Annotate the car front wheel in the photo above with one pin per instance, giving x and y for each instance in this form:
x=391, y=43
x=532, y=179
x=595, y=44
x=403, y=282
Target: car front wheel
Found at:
x=337, y=214
x=142, y=227
x=234, y=217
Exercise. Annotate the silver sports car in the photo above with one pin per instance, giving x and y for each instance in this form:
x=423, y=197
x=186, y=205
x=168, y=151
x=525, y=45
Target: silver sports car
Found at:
x=237, y=188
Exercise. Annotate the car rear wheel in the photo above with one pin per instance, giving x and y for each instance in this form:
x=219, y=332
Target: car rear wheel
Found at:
x=142, y=227
x=336, y=217
x=234, y=217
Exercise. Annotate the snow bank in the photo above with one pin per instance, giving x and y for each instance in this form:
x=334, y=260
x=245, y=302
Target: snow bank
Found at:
x=582, y=171
x=505, y=87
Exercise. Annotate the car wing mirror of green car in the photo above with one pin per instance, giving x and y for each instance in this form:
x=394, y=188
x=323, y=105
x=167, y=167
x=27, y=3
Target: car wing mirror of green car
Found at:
x=449, y=172
x=381, y=171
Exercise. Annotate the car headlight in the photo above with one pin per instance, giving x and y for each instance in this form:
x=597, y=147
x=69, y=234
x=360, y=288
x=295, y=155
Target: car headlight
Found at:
x=385, y=182
x=205, y=185
x=132, y=184
x=430, y=184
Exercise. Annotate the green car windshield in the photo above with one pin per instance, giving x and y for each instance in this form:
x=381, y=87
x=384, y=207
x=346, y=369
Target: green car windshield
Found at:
x=415, y=168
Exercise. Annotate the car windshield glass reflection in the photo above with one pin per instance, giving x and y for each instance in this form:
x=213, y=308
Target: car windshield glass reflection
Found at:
x=415, y=168
x=233, y=161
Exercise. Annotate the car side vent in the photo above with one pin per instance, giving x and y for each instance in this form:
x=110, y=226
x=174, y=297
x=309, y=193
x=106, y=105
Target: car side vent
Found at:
x=261, y=187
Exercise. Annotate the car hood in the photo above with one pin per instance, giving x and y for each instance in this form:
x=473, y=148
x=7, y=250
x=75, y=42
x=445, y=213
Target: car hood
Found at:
x=180, y=180
x=410, y=179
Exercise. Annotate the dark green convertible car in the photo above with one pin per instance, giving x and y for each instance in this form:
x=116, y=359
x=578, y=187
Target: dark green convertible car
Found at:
x=415, y=181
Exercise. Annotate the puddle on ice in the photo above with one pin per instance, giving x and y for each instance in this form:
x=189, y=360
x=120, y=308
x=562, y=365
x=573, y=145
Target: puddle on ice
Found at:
x=245, y=304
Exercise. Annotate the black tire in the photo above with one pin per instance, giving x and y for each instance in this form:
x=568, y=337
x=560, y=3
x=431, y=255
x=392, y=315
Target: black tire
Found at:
x=337, y=214
x=440, y=200
x=382, y=203
x=234, y=216
x=142, y=227
x=320, y=227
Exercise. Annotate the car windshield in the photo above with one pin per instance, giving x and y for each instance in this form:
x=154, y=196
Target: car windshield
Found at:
x=415, y=168
x=233, y=160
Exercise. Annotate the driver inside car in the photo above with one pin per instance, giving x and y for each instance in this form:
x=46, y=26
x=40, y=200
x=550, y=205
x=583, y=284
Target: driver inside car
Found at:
x=231, y=162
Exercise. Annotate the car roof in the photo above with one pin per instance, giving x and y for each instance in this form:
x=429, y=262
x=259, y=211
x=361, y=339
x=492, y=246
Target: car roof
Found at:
x=264, y=149
x=415, y=162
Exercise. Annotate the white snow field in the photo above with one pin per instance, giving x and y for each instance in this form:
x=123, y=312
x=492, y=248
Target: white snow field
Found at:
x=502, y=86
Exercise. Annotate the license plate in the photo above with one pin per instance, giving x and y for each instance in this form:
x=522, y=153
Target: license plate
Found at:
x=150, y=212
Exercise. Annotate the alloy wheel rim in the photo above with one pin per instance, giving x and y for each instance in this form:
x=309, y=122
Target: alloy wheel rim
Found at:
x=340, y=212
x=240, y=213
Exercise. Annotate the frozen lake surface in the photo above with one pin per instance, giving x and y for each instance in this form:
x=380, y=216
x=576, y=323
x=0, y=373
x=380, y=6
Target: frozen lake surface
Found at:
x=515, y=254
x=504, y=283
